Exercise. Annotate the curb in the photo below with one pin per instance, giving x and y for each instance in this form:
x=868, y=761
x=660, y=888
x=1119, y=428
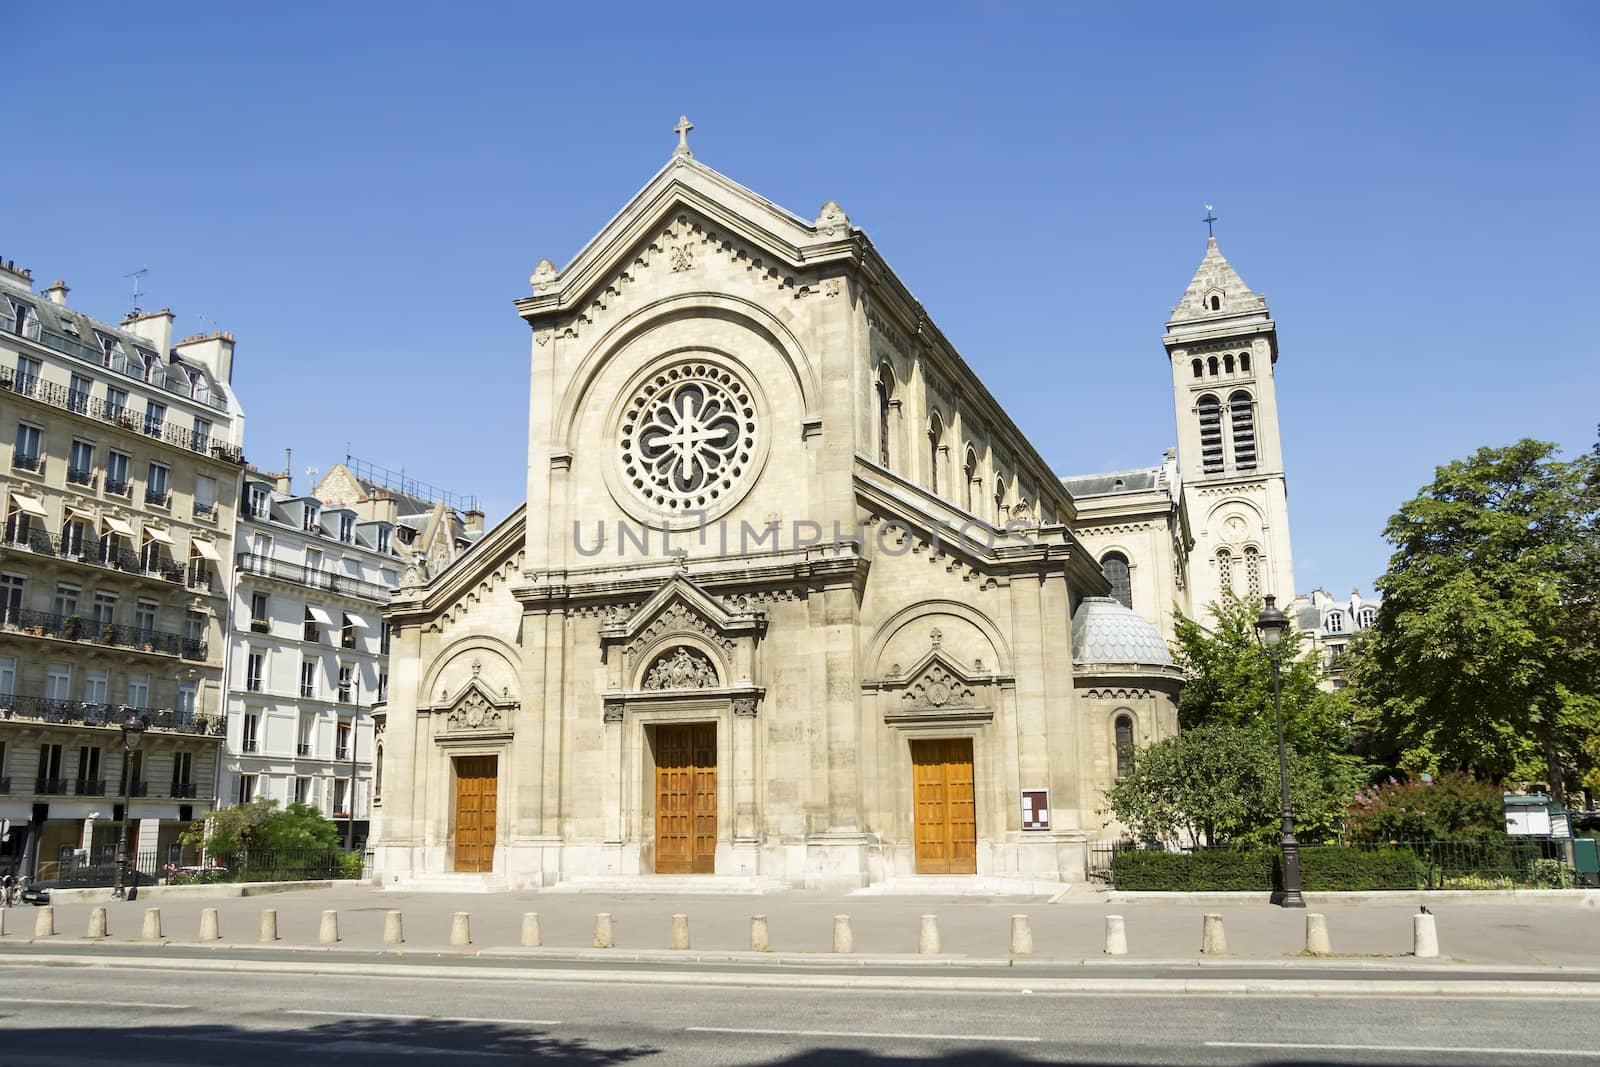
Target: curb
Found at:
x=1413, y=987
x=1585, y=897
x=216, y=891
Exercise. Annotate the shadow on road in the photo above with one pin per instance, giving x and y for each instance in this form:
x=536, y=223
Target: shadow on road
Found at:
x=363, y=1042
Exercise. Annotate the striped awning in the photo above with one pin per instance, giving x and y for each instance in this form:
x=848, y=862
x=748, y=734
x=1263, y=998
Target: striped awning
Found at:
x=30, y=504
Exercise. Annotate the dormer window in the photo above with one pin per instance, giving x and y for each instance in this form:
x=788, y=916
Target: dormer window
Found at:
x=25, y=320
x=310, y=523
x=383, y=539
x=1335, y=623
x=260, y=502
x=347, y=528
x=111, y=351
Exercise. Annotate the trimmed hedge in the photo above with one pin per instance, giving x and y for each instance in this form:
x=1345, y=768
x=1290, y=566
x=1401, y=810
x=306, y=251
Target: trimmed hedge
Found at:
x=1326, y=868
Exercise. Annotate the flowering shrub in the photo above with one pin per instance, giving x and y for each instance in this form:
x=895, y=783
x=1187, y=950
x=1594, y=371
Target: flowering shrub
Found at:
x=1451, y=807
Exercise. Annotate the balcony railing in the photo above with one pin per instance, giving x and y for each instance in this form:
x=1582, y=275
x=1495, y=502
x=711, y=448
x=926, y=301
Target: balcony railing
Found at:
x=24, y=461
x=302, y=749
x=74, y=628
x=50, y=785
x=138, y=789
x=158, y=498
x=80, y=476
x=17, y=707
x=58, y=396
x=250, y=745
x=308, y=576
x=95, y=552
x=182, y=790
x=118, y=487
x=91, y=788
x=172, y=383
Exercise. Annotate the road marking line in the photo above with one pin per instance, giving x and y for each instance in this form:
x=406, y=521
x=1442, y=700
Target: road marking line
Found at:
x=95, y=1003
x=853, y=1033
x=420, y=1018
x=1403, y=1048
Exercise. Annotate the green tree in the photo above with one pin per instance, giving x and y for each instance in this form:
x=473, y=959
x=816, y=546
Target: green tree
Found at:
x=1218, y=784
x=262, y=825
x=1479, y=660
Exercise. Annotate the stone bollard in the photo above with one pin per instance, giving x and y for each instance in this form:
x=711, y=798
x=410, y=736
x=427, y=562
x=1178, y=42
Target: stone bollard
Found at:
x=1317, y=941
x=152, y=924
x=97, y=922
x=603, y=937
x=1212, y=940
x=928, y=936
x=1116, y=936
x=1424, y=936
x=843, y=939
x=329, y=934
x=394, y=931
x=210, y=928
x=269, y=926
x=759, y=939
x=461, y=929
x=680, y=931
x=530, y=930
x=44, y=923
x=1021, y=936
x=3, y=913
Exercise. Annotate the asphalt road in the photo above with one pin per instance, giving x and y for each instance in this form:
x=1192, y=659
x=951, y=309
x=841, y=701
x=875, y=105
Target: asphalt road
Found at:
x=77, y=1016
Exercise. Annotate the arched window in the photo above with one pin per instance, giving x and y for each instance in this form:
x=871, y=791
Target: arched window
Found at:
x=1209, y=409
x=999, y=498
x=1225, y=569
x=1199, y=367
x=1227, y=362
x=935, y=441
x=1242, y=413
x=1123, y=728
x=1252, y=571
x=1211, y=365
x=885, y=395
x=969, y=474
x=1335, y=623
x=1244, y=362
x=1115, y=564
x=1216, y=303
x=377, y=773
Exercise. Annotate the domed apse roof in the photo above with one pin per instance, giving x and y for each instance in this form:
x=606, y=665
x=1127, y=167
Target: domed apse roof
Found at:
x=1103, y=631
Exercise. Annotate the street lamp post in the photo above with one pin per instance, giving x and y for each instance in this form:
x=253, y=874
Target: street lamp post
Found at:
x=350, y=801
x=1270, y=627
x=132, y=731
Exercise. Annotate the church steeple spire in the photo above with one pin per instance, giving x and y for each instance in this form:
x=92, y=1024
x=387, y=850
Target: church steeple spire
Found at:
x=1216, y=290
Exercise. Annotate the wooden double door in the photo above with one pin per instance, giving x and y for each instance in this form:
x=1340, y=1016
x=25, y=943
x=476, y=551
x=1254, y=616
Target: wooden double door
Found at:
x=477, y=803
x=946, y=811
x=686, y=798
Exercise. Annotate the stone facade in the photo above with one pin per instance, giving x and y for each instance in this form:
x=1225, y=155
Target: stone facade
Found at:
x=119, y=479
x=771, y=506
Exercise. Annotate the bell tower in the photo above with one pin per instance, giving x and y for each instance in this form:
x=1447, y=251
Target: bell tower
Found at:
x=1223, y=348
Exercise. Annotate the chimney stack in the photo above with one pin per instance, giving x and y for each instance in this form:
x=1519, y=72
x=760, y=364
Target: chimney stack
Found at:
x=57, y=293
x=474, y=521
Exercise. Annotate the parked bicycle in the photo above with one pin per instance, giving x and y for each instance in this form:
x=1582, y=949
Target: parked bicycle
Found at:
x=11, y=890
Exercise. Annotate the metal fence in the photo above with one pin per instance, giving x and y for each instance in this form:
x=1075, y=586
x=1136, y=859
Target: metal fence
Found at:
x=186, y=866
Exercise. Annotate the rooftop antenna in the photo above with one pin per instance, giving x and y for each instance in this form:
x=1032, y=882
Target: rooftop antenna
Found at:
x=1211, y=216
x=138, y=277
x=311, y=475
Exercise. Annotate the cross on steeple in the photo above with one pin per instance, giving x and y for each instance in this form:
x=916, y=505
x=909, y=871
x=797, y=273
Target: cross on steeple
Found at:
x=682, y=130
x=1211, y=216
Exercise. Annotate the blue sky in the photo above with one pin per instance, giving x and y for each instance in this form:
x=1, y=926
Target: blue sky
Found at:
x=359, y=191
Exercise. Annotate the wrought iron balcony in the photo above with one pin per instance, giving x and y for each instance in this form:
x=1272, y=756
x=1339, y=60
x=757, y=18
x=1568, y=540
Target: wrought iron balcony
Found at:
x=50, y=785
x=182, y=790
x=75, y=628
x=57, y=396
x=118, y=487
x=24, y=461
x=137, y=789
x=158, y=498
x=311, y=577
x=80, y=476
x=21, y=708
x=91, y=787
x=250, y=745
x=108, y=552
x=302, y=749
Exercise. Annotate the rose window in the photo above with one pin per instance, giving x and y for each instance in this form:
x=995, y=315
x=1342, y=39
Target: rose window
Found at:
x=687, y=437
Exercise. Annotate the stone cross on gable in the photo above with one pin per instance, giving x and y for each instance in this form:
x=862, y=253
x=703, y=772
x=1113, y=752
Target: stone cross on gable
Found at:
x=682, y=130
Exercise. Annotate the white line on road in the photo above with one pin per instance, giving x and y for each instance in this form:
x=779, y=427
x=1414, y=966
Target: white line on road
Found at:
x=94, y=1003
x=421, y=1018
x=1402, y=1048
x=854, y=1033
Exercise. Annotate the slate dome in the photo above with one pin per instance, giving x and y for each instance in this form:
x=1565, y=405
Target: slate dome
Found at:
x=1103, y=631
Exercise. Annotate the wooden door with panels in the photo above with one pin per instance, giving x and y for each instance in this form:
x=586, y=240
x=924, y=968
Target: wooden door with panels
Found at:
x=946, y=808
x=686, y=798
x=477, y=803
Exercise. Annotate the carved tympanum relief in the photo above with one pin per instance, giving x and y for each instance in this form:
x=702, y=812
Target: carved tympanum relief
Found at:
x=681, y=669
x=938, y=688
x=473, y=712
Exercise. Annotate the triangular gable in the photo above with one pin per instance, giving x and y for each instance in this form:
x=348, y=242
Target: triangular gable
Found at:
x=1215, y=277
x=680, y=606
x=685, y=184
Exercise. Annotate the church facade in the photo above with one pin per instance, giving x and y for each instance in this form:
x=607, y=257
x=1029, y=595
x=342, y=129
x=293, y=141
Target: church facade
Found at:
x=793, y=600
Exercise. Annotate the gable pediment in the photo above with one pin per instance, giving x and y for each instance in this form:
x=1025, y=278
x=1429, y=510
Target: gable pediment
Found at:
x=477, y=710
x=684, y=609
x=687, y=195
x=937, y=690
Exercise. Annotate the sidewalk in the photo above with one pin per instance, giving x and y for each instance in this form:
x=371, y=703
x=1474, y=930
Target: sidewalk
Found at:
x=1552, y=932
